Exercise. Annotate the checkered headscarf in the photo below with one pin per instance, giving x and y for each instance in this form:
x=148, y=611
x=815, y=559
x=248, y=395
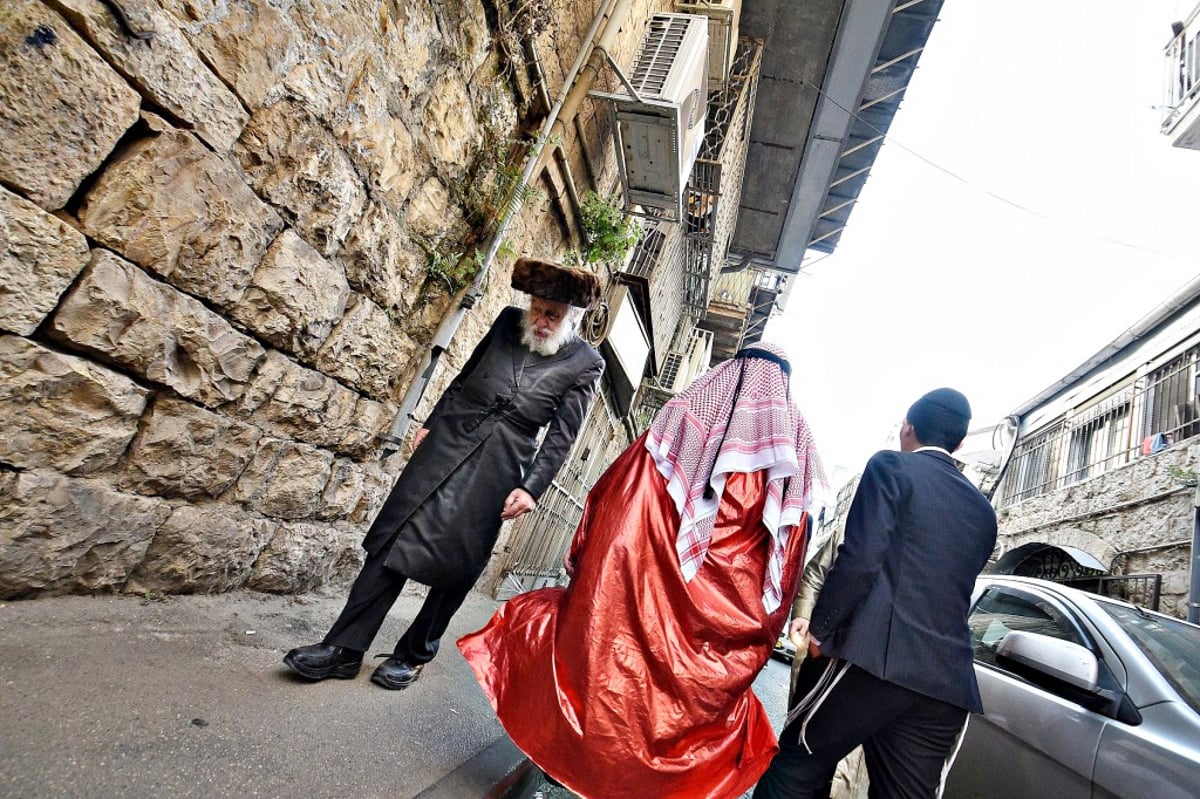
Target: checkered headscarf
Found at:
x=738, y=417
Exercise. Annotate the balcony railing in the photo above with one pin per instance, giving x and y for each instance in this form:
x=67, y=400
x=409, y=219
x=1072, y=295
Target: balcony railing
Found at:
x=715, y=187
x=1182, y=78
x=1141, y=417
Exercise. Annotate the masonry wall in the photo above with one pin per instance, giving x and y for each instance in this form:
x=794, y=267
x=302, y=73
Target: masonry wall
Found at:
x=215, y=270
x=1138, y=518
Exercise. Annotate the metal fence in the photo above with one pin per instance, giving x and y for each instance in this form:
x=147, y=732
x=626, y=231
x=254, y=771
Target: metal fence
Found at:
x=1139, y=417
x=1143, y=590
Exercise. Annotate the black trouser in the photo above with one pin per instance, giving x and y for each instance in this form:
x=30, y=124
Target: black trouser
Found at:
x=906, y=737
x=371, y=597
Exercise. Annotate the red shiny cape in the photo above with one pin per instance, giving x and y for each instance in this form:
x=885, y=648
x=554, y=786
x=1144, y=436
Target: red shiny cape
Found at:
x=631, y=682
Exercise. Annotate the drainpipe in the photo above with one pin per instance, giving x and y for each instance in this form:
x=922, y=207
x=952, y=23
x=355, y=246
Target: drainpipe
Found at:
x=578, y=81
x=1193, y=604
x=560, y=155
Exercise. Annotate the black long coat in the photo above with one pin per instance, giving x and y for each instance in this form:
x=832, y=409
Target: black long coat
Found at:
x=895, y=601
x=442, y=517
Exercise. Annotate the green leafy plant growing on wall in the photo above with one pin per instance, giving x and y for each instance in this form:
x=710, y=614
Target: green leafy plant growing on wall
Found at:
x=454, y=268
x=608, y=234
x=491, y=189
x=1186, y=477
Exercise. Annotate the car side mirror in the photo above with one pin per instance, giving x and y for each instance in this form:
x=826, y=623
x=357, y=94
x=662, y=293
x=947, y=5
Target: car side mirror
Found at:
x=1062, y=660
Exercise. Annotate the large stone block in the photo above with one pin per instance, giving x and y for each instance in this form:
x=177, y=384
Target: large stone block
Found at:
x=343, y=492
x=250, y=44
x=284, y=480
x=165, y=69
x=171, y=206
x=378, y=480
x=63, y=107
x=430, y=215
x=188, y=452
x=39, y=257
x=297, y=165
x=339, y=36
x=410, y=38
x=304, y=556
x=63, y=412
x=382, y=262
x=202, y=549
x=61, y=535
x=373, y=128
x=448, y=123
x=121, y=313
x=295, y=298
x=314, y=408
x=367, y=351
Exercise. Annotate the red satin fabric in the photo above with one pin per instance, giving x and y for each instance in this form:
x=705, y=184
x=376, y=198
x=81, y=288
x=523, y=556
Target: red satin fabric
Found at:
x=631, y=682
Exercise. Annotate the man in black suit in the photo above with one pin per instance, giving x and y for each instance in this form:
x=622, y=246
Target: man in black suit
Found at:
x=892, y=660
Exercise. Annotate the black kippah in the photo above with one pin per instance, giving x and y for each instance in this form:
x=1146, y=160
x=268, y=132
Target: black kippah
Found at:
x=946, y=399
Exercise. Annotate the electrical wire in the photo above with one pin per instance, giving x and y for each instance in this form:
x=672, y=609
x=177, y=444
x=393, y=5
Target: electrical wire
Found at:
x=886, y=137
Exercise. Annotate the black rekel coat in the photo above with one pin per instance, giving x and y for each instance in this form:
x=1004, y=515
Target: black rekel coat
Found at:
x=442, y=518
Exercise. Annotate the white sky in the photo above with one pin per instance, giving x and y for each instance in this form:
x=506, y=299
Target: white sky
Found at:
x=1050, y=105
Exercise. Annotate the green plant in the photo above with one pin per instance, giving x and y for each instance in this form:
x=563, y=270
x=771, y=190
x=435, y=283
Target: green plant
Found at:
x=494, y=187
x=1187, y=477
x=608, y=233
x=454, y=268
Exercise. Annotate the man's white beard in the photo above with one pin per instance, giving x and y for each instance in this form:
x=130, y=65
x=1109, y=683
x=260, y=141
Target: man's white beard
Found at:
x=548, y=346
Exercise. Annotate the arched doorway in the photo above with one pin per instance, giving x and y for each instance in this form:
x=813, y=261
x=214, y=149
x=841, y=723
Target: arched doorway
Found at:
x=1049, y=562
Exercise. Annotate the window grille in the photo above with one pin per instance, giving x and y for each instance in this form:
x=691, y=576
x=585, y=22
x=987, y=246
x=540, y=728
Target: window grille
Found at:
x=1172, y=411
x=1100, y=440
x=1033, y=468
x=670, y=372
x=1135, y=420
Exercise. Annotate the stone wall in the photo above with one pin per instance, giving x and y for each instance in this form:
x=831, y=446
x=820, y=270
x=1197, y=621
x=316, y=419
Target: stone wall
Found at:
x=214, y=283
x=1138, y=518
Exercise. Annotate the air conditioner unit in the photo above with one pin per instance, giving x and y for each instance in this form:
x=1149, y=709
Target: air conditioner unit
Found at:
x=723, y=18
x=681, y=368
x=660, y=118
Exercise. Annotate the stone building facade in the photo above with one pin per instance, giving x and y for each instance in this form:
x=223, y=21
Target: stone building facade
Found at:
x=1099, y=486
x=1133, y=520
x=224, y=226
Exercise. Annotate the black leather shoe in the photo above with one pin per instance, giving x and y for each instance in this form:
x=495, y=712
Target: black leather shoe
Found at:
x=396, y=675
x=318, y=661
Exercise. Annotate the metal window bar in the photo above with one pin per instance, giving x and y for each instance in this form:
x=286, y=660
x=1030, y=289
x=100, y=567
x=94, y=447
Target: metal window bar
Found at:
x=1161, y=409
x=715, y=185
x=1182, y=73
x=1101, y=441
x=657, y=267
x=1144, y=590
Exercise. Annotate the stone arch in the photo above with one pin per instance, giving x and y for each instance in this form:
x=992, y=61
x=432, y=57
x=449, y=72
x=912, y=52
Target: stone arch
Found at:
x=1061, y=554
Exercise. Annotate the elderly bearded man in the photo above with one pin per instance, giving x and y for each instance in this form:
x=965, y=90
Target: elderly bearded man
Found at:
x=476, y=463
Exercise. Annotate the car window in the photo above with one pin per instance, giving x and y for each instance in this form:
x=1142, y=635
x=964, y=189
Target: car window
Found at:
x=1171, y=645
x=999, y=612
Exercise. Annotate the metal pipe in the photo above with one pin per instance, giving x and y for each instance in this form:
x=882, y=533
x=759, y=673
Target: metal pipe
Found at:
x=566, y=105
x=560, y=154
x=588, y=72
x=1193, y=600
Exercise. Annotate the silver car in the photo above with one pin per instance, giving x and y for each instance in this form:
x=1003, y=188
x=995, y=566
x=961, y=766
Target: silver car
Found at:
x=1083, y=696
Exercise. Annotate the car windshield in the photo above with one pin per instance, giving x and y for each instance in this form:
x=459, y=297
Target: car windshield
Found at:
x=1172, y=645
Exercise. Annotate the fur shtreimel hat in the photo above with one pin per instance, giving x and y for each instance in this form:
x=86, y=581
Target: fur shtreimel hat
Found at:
x=552, y=281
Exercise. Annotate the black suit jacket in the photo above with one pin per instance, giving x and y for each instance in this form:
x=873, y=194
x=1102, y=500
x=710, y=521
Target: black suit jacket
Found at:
x=895, y=602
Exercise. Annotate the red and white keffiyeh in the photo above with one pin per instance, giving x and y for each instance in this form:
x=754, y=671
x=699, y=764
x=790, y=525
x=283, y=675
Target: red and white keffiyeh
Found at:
x=713, y=428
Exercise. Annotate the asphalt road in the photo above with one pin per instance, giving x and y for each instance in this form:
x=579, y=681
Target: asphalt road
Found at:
x=186, y=697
